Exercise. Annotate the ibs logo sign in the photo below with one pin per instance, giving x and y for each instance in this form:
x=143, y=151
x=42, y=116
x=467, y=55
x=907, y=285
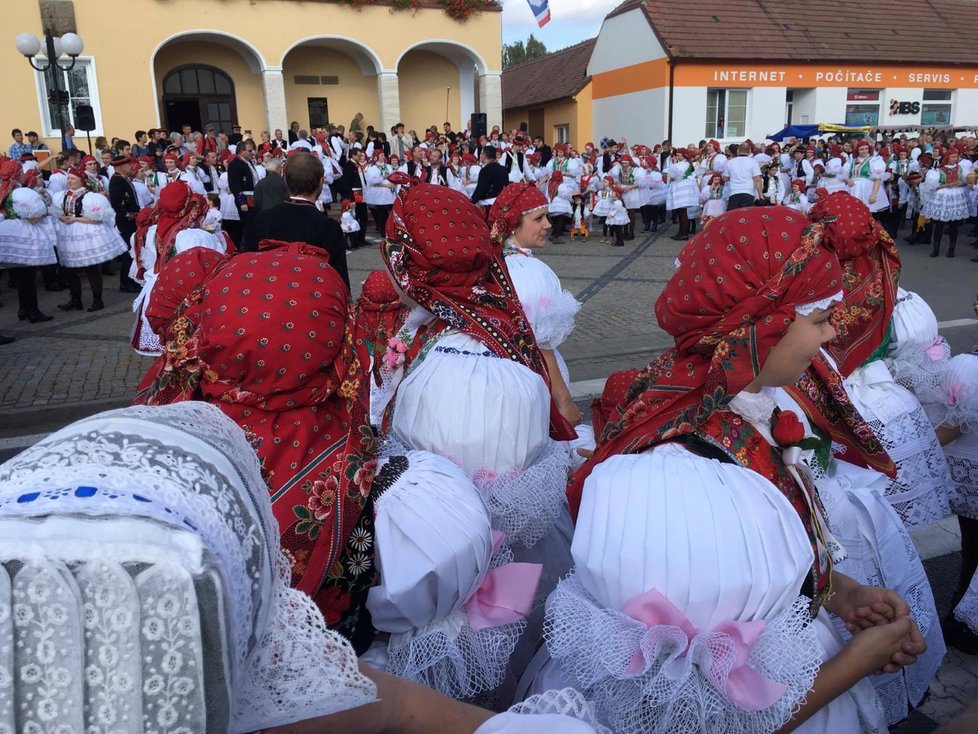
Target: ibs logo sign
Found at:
x=904, y=108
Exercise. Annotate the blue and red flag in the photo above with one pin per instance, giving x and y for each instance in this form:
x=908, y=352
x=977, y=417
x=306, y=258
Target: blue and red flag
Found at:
x=541, y=11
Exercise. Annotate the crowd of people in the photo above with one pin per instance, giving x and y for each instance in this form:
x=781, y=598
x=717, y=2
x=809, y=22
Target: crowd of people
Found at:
x=388, y=513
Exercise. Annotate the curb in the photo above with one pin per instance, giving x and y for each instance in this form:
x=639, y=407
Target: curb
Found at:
x=36, y=420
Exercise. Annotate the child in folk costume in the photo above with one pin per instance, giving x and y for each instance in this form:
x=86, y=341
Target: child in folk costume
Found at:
x=921, y=228
x=654, y=195
x=602, y=204
x=618, y=219
x=773, y=189
x=579, y=218
x=349, y=224
x=833, y=177
x=714, y=203
x=798, y=198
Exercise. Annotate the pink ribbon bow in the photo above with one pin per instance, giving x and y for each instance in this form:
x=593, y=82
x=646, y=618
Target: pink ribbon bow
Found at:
x=506, y=594
x=935, y=351
x=743, y=685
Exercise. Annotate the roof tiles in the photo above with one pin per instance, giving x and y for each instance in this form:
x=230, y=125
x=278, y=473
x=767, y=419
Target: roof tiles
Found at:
x=554, y=76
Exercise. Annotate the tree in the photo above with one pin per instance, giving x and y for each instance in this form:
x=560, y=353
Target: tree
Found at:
x=519, y=52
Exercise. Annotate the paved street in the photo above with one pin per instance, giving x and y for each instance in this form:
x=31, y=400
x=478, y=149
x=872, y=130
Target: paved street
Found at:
x=81, y=363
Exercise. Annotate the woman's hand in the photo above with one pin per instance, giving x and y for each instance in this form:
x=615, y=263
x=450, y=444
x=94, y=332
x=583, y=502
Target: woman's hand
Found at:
x=861, y=607
x=872, y=199
x=570, y=411
x=886, y=648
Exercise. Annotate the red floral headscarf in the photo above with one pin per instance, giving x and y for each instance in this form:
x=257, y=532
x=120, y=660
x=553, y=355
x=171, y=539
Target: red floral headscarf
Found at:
x=506, y=213
x=440, y=252
x=380, y=314
x=10, y=172
x=729, y=303
x=177, y=280
x=870, y=274
x=178, y=209
x=268, y=339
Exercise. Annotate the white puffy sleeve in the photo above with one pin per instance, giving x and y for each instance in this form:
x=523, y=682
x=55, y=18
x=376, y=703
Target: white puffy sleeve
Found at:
x=97, y=207
x=28, y=204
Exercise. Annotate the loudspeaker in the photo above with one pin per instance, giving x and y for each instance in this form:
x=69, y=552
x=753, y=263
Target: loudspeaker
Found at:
x=524, y=127
x=84, y=118
x=480, y=124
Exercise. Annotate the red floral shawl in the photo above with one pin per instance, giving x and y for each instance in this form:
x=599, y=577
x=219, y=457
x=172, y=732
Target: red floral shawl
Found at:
x=440, y=252
x=729, y=303
x=178, y=209
x=268, y=339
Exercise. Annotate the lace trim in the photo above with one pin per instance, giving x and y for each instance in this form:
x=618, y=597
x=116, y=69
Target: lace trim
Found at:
x=806, y=309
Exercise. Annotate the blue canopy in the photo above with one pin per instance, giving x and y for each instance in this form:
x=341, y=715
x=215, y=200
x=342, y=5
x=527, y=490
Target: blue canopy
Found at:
x=806, y=131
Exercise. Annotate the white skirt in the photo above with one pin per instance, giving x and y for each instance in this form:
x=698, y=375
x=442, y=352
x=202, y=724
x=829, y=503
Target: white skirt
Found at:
x=602, y=207
x=920, y=491
x=81, y=244
x=948, y=205
x=962, y=460
x=862, y=189
x=26, y=244
x=682, y=194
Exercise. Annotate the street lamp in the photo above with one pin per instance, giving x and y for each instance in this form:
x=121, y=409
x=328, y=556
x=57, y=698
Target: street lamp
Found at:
x=69, y=44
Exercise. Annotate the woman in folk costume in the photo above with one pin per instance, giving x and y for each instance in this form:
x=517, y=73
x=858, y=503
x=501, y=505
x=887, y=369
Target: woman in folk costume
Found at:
x=27, y=242
x=834, y=175
x=749, y=307
x=712, y=198
x=518, y=220
x=631, y=181
x=857, y=500
x=87, y=237
x=603, y=198
x=379, y=194
x=169, y=228
x=866, y=172
x=468, y=330
x=798, y=198
x=948, y=205
x=682, y=194
x=380, y=315
x=469, y=176
x=93, y=181
x=560, y=192
x=295, y=389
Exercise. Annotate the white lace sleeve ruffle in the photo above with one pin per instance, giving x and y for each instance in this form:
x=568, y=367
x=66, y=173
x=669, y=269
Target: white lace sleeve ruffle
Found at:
x=187, y=470
x=28, y=204
x=550, y=309
x=563, y=711
x=96, y=206
x=673, y=694
x=958, y=390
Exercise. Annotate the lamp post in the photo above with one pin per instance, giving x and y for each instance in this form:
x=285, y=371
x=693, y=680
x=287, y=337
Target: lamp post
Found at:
x=69, y=44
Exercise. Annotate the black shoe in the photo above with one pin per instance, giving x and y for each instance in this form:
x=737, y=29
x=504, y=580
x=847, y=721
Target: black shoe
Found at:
x=72, y=305
x=655, y=228
x=36, y=317
x=950, y=253
x=22, y=315
x=129, y=288
x=53, y=287
x=680, y=236
x=6, y=340
x=108, y=269
x=958, y=635
x=96, y=306
x=935, y=252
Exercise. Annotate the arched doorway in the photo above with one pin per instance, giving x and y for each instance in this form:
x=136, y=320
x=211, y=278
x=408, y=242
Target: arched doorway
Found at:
x=199, y=95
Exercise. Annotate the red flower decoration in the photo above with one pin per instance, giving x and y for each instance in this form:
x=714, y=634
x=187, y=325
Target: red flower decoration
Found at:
x=787, y=428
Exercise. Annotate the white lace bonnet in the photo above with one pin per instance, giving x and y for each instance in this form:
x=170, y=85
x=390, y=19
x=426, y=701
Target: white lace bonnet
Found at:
x=436, y=596
x=678, y=560
x=142, y=541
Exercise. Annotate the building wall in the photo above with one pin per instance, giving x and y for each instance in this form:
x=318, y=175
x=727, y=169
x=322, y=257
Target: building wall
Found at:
x=356, y=91
x=803, y=107
x=262, y=33
x=624, y=40
x=575, y=112
x=425, y=78
x=638, y=116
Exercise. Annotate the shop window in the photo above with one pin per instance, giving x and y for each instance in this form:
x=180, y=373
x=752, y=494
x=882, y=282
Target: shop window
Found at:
x=726, y=113
x=561, y=133
x=936, y=107
x=863, y=107
x=82, y=89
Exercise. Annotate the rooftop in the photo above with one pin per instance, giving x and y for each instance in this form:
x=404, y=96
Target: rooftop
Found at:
x=555, y=76
x=873, y=31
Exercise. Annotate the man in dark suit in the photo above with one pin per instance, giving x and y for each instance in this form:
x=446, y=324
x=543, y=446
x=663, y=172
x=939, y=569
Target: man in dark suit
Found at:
x=298, y=219
x=493, y=178
x=122, y=197
x=545, y=151
x=241, y=183
x=271, y=190
x=352, y=185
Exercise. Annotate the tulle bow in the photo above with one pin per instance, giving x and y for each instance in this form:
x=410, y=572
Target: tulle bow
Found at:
x=743, y=685
x=506, y=594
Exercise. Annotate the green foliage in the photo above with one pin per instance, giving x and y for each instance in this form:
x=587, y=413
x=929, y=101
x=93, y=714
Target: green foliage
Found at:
x=520, y=52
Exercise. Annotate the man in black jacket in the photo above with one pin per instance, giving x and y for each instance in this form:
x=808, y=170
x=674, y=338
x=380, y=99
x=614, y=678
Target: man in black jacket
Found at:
x=353, y=184
x=545, y=151
x=493, y=178
x=241, y=183
x=271, y=190
x=122, y=197
x=298, y=219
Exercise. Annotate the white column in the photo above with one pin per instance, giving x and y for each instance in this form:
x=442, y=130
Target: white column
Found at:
x=273, y=86
x=389, y=98
x=466, y=92
x=491, y=98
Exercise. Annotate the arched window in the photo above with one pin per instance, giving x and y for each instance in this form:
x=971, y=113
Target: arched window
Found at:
x=199, y=96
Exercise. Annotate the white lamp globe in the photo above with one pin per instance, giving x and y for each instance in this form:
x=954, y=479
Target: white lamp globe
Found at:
x=58, y=50
x=72, y=44
x=27, y=44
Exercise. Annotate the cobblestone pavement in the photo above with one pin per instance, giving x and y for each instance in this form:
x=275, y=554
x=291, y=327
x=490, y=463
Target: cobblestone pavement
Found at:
x=82, y=363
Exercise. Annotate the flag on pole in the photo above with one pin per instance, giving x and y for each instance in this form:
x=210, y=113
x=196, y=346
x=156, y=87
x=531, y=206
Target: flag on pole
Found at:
x=541, y=11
